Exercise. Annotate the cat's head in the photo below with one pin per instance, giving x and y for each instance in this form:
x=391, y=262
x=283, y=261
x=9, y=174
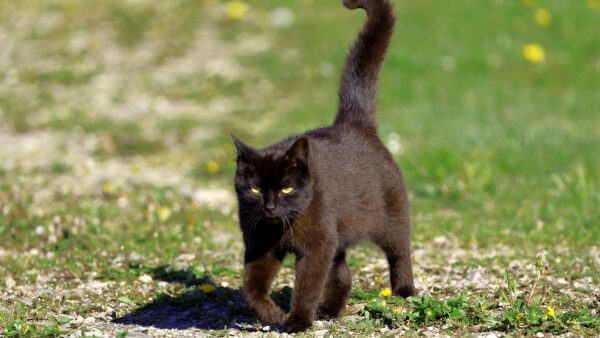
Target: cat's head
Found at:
x=273, y=184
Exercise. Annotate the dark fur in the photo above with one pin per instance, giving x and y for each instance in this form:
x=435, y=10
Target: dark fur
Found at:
x=347, y=188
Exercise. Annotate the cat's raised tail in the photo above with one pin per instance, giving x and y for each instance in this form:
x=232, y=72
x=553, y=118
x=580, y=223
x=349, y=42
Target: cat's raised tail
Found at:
x=360, y=76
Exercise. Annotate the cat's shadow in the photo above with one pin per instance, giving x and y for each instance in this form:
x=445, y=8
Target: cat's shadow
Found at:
x=218, y=309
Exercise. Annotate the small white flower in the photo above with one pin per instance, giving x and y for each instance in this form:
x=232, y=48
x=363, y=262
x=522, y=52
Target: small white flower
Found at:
x=122, y=202
x=394, y=145
x=39, y=230
x=145, y=279
x=10, y=282
x=282, y=17
x=393, y=137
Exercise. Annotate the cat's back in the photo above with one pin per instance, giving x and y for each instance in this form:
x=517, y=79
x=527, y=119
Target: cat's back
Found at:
x=351, y=153
x=353, y=166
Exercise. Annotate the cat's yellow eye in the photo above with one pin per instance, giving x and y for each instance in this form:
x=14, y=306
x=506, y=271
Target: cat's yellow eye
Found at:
x=287, y=190
x=255, y=190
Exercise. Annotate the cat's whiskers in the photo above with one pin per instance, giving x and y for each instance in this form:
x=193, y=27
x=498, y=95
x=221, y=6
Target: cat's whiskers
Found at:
x=288, y=224
x=283, y=222
x=251, y=221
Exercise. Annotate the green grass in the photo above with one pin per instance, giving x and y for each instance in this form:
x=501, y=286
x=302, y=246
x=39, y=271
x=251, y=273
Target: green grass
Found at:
x=110, y=112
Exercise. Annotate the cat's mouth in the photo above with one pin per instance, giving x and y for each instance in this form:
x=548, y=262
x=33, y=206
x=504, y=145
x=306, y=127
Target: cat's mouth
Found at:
x=272, y=218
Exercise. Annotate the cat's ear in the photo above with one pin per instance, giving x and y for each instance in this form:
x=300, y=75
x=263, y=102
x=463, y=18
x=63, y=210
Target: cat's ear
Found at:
x=297, y=155
x=244, y=151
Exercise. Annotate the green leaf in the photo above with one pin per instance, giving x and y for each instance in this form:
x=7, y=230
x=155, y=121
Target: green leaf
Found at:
x=588, y=320
x=414, y=300
x=457, y=313
x=61, y=320
x=519, y=304
x=374, y=306
x=511, y=316
x=413, y=315
x=223, y=271
x=126, y=300
x=362, y=295
x=15, y=327
x=535, y=315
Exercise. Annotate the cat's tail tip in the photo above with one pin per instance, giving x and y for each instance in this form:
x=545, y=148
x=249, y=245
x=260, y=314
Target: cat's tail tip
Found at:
x=354, y=4
x=365, y=4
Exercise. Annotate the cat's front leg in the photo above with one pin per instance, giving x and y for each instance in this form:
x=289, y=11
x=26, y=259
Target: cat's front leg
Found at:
x=258, y=276
x=311, y=274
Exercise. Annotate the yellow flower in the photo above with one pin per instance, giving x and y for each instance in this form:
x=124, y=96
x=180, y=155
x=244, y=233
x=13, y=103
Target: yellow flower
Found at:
x=383, y=303
x=396, y=309
x=212, y=167
x=530, y=3
x=163, y=213
x=534, y=53
x=549, y=312
x=542, y=17
x=107, y=187
x=594, y=5
x=25, y=328
x=519, y=316
x=207, y=288
x=236, y=10
x=386, y=292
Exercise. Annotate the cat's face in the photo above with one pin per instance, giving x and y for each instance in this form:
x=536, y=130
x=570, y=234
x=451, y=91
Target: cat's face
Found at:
x=273, y=186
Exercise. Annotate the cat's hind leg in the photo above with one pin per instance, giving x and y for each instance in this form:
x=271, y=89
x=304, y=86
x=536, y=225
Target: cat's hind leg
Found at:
x=258, y=276
x=401, y=276
x=394, y=240
x=337, y=289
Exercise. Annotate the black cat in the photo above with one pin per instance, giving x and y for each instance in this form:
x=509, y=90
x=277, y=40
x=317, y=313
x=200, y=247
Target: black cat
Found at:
x=318, y=193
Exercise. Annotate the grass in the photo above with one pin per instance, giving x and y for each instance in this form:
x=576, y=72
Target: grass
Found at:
x=110, y=114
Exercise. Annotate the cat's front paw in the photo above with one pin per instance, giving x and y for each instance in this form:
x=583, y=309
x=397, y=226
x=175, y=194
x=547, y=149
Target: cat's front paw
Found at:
x=297, y=324
x=404, y=291
x=269, y=314
x=327, y=313
x=274, y=316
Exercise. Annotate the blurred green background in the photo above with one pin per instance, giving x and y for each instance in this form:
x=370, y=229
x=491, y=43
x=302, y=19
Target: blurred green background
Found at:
x=115, y=116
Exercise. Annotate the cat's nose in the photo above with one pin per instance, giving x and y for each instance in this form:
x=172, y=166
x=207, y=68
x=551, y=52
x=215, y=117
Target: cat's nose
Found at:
x=269, y=207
